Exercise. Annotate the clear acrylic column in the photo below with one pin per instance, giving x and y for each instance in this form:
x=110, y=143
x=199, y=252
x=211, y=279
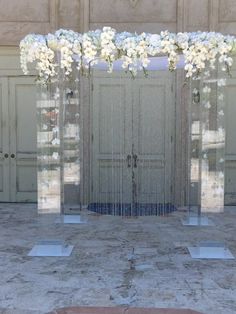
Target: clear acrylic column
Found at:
x=213, y=140
x=49, y=149
x=210, y=161
x=206, y=146
x=58, y=162
x=194, y=155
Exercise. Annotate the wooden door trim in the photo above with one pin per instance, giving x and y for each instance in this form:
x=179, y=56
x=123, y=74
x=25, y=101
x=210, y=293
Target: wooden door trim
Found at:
x=5, y=141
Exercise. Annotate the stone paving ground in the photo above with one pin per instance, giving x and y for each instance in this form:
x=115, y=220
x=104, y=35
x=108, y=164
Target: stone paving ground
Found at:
x=120, y=310
x=139, y=262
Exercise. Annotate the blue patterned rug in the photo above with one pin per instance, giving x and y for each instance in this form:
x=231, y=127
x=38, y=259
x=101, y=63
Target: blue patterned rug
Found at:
x=140, y=209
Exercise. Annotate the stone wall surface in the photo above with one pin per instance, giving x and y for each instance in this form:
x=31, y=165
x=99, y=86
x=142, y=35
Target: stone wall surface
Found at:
x=20, y=17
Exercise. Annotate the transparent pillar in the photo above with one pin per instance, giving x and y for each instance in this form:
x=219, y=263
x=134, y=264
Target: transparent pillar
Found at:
x=209, y=141
x=58, y=145
x=206, y=145
x=49, y=149
x=58, y=162
x=194, y=153
x=213, y=140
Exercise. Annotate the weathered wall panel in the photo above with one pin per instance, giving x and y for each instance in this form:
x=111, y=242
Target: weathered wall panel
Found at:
x=69, y=14
x=196, y=15
x=20, y=17
x=119, y=11
x=24, y=11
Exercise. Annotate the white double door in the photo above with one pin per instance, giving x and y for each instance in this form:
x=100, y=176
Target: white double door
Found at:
x=18, y=177
x=132, y=125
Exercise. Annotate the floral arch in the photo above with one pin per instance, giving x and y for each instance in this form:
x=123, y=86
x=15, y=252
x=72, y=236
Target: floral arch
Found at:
x=58, y=58
x=84, y=50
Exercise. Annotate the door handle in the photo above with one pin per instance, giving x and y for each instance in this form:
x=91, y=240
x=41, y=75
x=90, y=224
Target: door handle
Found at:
x=12, y=155
x=135, y=157
x=129, y=160
x=6, y=155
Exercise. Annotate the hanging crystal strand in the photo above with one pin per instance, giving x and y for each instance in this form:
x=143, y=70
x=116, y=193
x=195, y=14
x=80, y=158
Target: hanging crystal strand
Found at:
x=189, y=149
x=100, y=198
x=194, y=147
x=61, y=121
x=113, y=158
x=146, y=163
x=120, y=154
x=133, y=201
x=117, y=151
x=97, y=198
x=109, y=177
x=112, y=152
x=116, y=137
x=156, y=210
x=135, y=84
x=220, y=154
x=78, y=131
x=86, y=159
x=121, y=151
x=110, y=195
x=163, y=197
x=83, y=200
x=94, y=201
x=207, y=86
x=143, y=164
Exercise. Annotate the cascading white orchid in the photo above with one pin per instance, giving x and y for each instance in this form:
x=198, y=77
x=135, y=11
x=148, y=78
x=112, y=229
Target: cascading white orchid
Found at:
x=108, y=47
x=34, y=48
x=66, y=47
x=90, y=44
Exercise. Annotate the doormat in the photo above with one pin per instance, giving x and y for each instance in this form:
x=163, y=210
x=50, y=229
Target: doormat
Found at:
x=127, y=209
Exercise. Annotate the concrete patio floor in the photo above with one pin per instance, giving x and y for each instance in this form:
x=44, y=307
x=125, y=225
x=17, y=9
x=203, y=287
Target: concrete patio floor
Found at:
x=140, y=262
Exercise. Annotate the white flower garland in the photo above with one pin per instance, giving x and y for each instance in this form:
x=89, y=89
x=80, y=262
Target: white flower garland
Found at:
x=66, y=48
